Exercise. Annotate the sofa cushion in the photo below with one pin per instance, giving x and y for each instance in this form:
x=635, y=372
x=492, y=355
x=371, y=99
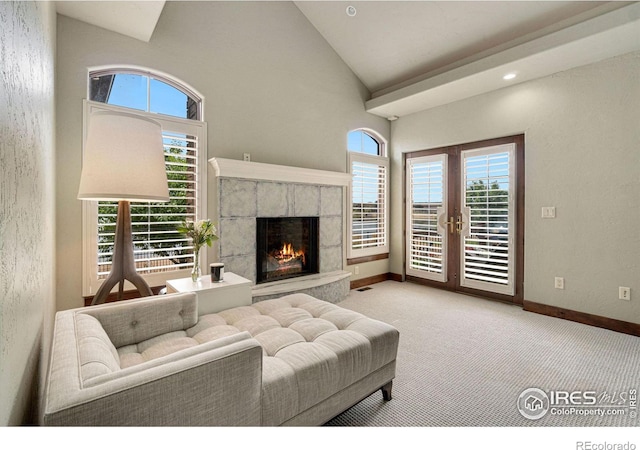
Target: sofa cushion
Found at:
x=165, y=344
x=96, y=353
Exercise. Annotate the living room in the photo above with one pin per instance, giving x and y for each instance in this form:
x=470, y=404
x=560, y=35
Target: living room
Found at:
x=276, y=89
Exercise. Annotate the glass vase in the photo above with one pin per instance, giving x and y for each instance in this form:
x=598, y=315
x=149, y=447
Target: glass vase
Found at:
x=195, y=272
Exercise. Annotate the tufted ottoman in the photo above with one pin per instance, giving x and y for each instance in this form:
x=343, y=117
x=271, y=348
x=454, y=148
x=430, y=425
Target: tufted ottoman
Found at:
x=318, y=358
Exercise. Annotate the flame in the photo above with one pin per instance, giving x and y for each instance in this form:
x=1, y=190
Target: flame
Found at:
x=288, y=253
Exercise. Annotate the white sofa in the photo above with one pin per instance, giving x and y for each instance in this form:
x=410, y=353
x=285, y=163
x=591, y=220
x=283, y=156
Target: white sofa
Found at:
x=294, y=360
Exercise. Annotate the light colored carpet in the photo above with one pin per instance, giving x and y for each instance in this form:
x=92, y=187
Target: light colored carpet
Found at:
x=464, y=361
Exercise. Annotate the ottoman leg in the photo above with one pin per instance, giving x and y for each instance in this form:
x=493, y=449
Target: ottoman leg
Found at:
x=386, y=390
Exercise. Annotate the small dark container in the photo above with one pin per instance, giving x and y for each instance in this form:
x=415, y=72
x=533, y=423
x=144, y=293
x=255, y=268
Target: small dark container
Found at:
x=217, y=272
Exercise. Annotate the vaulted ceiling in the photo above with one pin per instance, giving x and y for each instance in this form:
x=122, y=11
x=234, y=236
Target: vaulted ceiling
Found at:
x=415, y=55
x=388, y=43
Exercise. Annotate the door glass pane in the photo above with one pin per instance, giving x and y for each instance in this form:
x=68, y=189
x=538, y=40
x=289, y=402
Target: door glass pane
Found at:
x=486, y=240
x=426, y=247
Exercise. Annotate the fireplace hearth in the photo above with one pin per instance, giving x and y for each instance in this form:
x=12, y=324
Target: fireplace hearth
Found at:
x=286, y=247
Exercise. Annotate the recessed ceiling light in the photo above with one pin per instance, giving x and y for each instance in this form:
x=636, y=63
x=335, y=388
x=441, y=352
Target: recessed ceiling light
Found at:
x=509, y=76
x=351, y=11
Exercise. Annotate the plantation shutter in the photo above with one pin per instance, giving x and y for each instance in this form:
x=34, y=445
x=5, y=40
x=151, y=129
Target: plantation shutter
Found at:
x=488, y=216
x=426, y=217
x=369, y=204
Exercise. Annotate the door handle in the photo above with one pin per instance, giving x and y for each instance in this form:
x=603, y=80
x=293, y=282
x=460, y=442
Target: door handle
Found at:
x=450, y=223
x=459, y=224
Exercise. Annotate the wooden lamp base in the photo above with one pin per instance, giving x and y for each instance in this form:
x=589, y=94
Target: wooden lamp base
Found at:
x=123, y=265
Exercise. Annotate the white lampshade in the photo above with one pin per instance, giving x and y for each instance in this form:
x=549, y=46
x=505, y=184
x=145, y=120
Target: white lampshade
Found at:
x=123, y=159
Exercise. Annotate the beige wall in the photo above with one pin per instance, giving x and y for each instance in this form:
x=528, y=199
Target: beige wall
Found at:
x=27, y=219
x=582, y=153
x=272, y=86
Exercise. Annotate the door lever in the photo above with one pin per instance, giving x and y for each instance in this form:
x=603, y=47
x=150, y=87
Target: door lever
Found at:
x=450, y=223
x=459, y=224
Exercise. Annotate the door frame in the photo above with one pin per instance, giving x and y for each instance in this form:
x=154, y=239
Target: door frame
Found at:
x=454, y=199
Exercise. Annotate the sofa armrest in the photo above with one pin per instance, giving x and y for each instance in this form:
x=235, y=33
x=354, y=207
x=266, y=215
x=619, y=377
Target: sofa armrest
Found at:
x=137, y=320
x=216, y=383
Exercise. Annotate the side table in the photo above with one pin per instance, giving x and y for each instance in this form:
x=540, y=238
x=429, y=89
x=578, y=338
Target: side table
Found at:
x=233, y=291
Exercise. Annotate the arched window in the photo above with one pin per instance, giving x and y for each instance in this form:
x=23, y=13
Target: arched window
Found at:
x=160, y=252
x=361, y=141
x=144, y=91
x=369, y=195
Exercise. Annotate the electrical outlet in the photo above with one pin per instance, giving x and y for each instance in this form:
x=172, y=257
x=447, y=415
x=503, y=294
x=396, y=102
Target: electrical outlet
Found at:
x=559, y=283
x=624, y=293
x=356, y=270
x=246, y=156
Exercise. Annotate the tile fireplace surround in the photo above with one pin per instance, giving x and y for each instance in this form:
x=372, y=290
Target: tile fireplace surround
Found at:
x=247, y=190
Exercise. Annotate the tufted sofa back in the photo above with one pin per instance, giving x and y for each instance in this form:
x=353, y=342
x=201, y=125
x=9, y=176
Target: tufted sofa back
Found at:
x=126, y=324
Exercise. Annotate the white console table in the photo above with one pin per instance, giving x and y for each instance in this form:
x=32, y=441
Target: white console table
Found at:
x=233, y=291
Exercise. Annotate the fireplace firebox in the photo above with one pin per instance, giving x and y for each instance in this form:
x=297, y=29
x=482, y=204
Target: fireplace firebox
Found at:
x=286, y=247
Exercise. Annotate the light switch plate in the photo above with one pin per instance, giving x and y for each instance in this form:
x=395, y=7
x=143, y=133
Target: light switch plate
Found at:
x=548, y=212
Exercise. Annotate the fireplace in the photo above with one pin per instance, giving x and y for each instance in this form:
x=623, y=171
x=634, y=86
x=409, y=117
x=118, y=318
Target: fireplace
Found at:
x=286, y=247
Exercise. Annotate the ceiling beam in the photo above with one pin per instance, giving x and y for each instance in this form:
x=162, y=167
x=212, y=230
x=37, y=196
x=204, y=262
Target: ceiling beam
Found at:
x=614, y=33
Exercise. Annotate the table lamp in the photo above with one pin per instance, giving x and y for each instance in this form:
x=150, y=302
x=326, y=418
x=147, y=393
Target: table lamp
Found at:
x=124, y=161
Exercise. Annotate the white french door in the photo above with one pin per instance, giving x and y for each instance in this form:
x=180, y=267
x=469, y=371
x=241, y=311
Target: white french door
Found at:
x=461, y=217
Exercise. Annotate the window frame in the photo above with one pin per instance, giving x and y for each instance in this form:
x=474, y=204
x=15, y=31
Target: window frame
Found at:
x=90, y=280
x=355, y=256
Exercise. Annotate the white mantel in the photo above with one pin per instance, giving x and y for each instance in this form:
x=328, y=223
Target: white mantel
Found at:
x=233, y=168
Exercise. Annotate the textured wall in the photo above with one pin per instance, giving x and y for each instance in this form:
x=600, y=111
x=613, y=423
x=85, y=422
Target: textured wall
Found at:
x=582, y=155
x=27, y=51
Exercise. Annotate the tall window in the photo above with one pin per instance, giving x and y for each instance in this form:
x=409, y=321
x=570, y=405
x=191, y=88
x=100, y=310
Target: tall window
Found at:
x=160, y=252
x=369, y=167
